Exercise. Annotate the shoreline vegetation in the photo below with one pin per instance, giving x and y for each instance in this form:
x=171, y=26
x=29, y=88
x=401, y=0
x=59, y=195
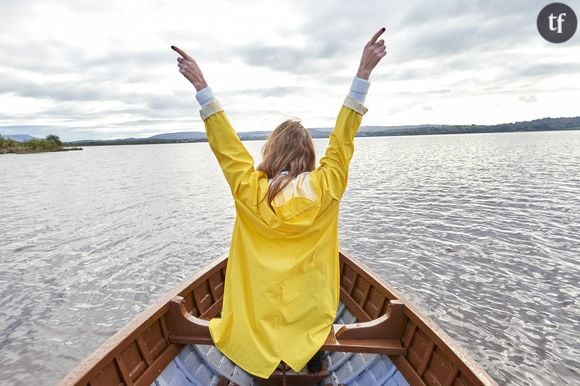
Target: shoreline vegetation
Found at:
x=35, y=145
x=544, y=124
x=27, y=144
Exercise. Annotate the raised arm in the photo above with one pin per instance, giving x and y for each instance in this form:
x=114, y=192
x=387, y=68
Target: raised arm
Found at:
x=334, y=165
x=235, y=161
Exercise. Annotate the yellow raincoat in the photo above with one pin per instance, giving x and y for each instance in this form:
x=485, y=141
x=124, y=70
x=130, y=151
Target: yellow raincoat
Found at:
x=282, y=284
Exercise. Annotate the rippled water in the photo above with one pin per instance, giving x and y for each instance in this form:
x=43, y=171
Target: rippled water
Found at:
x=481, y=231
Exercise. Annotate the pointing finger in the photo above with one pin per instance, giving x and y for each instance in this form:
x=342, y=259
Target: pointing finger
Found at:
x=376, y=35
x=180, y=52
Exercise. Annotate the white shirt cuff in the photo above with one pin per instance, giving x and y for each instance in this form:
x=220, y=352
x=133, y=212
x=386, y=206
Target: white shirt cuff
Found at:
x=359, y=89
x=205, y=96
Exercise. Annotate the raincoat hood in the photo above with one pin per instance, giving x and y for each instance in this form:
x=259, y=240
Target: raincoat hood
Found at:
x=296, y=207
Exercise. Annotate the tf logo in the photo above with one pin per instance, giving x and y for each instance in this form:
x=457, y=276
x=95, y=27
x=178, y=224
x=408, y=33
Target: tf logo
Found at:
x=557, y=22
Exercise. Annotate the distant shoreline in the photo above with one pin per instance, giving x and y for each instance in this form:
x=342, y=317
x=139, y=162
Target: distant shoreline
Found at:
x=370, y=134
x=19, y=150
x=53, y=142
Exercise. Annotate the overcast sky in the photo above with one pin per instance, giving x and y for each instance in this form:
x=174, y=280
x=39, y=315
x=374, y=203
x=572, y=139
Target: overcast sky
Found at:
x=91, y=69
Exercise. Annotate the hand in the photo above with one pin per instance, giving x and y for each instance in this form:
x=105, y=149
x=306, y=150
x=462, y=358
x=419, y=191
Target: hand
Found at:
x=189, y=68
x=372, y=54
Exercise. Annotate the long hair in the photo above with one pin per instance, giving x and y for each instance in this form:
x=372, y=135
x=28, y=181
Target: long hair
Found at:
x=289, y=148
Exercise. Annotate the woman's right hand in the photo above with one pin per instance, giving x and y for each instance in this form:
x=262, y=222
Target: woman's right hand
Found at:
x=373, y=52
x=189, y=69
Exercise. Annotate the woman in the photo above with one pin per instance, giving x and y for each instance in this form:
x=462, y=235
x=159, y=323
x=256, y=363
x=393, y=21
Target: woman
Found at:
x=282, y=286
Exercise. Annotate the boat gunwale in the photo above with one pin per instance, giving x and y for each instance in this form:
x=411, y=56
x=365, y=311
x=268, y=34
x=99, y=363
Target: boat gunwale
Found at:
x=442, y=340
x=107, y=351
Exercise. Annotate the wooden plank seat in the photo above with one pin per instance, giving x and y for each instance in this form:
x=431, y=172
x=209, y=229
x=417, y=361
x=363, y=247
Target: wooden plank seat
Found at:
x=378, y=336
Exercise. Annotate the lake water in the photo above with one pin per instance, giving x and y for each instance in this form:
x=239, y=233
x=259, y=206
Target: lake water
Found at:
x=481, y=231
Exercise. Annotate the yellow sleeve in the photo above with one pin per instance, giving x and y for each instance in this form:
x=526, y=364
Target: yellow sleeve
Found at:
x=333, y=169
x=235, y=161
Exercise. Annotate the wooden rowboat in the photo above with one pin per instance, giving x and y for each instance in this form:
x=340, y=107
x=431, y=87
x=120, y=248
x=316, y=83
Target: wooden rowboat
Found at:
x=378, y=339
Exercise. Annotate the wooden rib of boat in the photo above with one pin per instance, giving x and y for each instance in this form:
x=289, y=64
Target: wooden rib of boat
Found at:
x=378, y=339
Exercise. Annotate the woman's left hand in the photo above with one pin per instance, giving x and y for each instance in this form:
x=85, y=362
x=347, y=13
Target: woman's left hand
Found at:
x=189, y=69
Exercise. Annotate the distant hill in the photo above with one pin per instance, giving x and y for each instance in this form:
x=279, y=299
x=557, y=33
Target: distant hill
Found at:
x=180, y=136
x=544, y=124
x=19, y=137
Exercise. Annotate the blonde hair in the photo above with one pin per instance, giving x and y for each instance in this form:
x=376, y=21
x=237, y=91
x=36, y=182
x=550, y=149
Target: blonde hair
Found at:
x=289, y=148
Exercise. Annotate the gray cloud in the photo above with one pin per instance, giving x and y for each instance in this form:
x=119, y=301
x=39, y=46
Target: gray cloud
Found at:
x=277, y=58
x=304, y=60
x=528, y=98
x=69, y=91
x=41, y=131
x=57, y=91
x=273, y=92
x=450, y=34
